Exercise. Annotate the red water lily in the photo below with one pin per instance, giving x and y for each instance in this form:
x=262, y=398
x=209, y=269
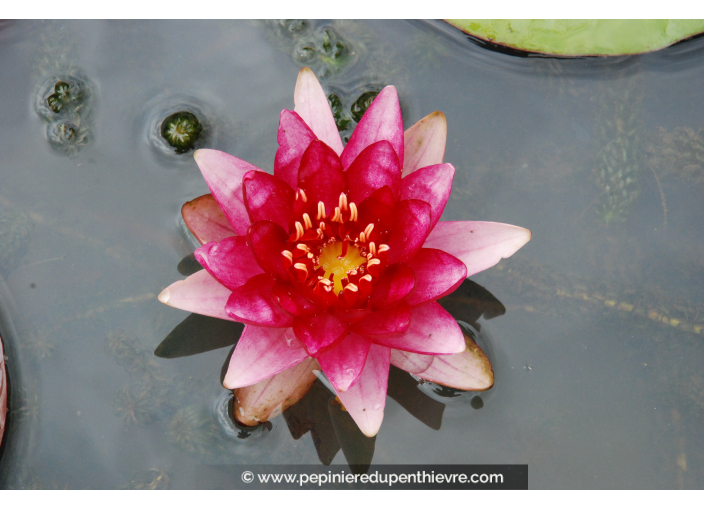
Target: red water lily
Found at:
x=337, y=260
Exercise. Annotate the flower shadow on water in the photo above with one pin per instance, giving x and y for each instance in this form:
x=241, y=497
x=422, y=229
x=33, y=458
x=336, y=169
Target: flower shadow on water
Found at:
x=320, y=412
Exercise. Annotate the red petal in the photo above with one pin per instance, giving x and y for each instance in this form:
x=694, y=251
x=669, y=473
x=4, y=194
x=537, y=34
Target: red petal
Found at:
x=294, y=138
x=268, y=241
x=293, y=301
x=379, y=210
x=382, y=121
x=344, y=361
x=432, y=184
x=375, y=167
x=365, y=399
x=261, y=353
x=270, y=397
x=385, y=322
x=437, y=274
x=268, y=198
x=411, y=228
x=205, y=219
x=223, y=174
x=432, y=331
x=321, y=177
x=396, y=282
x=231, y=261
x=254, y=303
x=424, y=143
x=319, y=331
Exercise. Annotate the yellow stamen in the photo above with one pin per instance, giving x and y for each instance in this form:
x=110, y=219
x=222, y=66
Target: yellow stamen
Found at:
x=353, y=212
x=306, y=220
x=321, y=211
x=337, y=267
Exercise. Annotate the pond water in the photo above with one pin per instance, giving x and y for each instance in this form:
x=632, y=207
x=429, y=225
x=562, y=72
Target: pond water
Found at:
x=598, y=356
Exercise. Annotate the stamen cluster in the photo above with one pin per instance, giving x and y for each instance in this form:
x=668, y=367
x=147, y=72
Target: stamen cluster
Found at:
x=336, y=236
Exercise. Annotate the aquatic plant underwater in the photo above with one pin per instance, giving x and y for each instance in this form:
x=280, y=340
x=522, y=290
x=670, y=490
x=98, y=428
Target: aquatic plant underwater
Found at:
x=336, y=261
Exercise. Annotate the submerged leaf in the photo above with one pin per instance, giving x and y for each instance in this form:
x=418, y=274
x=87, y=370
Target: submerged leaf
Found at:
x=197, y=334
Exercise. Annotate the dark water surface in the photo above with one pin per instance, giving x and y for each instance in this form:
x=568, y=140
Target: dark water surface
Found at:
x=598, y=358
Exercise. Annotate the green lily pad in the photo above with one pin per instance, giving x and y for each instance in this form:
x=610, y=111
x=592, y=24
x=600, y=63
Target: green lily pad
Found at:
x=582, y=37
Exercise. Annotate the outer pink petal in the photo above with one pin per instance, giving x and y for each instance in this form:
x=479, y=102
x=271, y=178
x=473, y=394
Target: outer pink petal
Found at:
x=230, y=261
x=199, y=293
x=411, y=362
x=3, y=391
x=270, y=397
x=365, y=399
x=411, y=226
x=469, y=370
x=254, y=303
x=437, y=274
x=313, y=107
x=321, y=177
x=268, y=198
x=432, y=331
x=432, y=184
x=294, y=138
x=318, y=332
x=261, y=353
x=375, y=167
x=479, y=244
x=382, y=121
x=396, y=282
x=223, y=174
x=344, y=361
x=424, y=143
x=385, y=322
x=205, y=219
x=268, y=241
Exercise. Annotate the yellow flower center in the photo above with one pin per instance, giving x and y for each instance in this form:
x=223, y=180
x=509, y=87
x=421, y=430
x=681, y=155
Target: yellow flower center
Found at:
x=335, y=264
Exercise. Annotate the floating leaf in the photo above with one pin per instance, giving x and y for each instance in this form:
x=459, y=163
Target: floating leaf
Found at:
x=581, y=37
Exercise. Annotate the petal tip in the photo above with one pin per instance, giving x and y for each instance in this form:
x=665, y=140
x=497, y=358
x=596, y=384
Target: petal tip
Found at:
x=164, y=296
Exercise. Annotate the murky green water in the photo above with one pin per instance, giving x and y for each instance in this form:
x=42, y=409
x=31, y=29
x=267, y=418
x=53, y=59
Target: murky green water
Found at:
x=598, y=358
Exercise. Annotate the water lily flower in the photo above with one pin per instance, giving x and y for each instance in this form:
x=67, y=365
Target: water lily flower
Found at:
x=336, y=261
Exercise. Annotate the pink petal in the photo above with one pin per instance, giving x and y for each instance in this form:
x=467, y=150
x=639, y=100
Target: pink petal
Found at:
x=294, y=138
x=254, y=303
x=3, y=391
x=411, y=362
x=437, y=274
x=396, y=282
x=375, y=167
x=293, y=301
x=199, y=293
x=205, y=219
x=231, y=261
x=267, y=241
x=223, y=174
x=479, y=244
x=321, y=177
x=411, y=227
x=432, y=331
x=432, y=184
x=365, y=399
x=385, y=322
x=313, y=107
x=382, y=121
x=319, y=331
x=269, y=398
x=469, y=370
x=261, y=353
x=268, y=198
x=344, y=361
x=379, y=210
x=424, y=143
